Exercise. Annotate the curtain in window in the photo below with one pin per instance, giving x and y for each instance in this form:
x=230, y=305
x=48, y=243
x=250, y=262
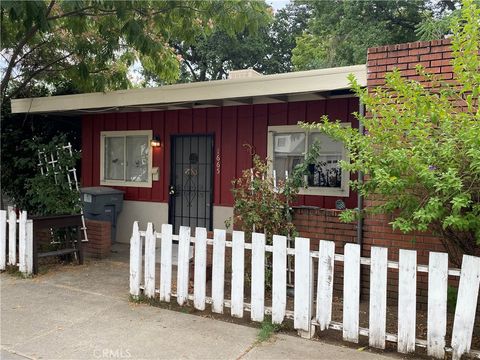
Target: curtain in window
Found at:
x=114, y=158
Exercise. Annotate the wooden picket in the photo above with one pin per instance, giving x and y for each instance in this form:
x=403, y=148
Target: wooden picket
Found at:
x=3, y=239
x=258, y=277
x=279, y=279
x=238, y=269
x=200, y=271
x=306, y=313
x=25, y=241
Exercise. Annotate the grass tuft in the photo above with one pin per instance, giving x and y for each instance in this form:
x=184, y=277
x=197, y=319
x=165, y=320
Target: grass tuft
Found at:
x=267, y=330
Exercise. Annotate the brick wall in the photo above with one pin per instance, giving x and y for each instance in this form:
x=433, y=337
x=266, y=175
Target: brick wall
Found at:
x=324, y=224
x=434, y=55
x=99, y=238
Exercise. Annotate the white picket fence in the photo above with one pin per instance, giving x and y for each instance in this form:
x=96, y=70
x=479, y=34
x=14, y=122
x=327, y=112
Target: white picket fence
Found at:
x=311, y=310
x=21, y=229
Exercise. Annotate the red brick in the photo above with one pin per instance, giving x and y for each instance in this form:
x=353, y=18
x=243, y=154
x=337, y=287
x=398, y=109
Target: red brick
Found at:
x=444, y=62
x=397, y=66
x=376, y=56
x=376, y=82
x=430, y=57
x=419, y=51
x=422, y=63
x=397, y=53
x=446, y=69
x=386, y=61
x=408, y=59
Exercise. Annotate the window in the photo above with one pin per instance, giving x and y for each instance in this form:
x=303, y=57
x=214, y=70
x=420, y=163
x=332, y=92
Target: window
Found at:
x=126, y=158
x=287, y=147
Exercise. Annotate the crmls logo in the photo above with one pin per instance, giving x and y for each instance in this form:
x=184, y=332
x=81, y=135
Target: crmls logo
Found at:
x=112, y=354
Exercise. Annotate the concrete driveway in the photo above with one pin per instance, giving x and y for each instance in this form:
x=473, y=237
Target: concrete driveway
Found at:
x=83, y=312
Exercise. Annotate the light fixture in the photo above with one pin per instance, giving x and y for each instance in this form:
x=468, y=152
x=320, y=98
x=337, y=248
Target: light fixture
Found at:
x=155, y=142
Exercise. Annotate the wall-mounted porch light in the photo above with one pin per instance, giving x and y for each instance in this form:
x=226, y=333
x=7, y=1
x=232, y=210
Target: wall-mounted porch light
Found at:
x=155, y=142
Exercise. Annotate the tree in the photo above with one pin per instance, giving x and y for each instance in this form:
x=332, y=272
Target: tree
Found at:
x=340, y=32
x=94, y=43
x=63, y=47
x=267, y=50
x=421, y=153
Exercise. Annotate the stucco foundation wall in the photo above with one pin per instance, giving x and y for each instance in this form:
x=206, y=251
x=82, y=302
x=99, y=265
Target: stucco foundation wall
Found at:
x=143, y=212
x=157, y=213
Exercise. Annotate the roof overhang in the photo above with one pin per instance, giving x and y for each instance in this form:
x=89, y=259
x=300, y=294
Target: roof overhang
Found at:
x=294, y=86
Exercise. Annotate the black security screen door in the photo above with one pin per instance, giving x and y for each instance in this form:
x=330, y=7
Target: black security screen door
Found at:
x=191, y=186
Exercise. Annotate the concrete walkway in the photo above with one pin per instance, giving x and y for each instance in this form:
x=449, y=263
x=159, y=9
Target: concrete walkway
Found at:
x=83, y=312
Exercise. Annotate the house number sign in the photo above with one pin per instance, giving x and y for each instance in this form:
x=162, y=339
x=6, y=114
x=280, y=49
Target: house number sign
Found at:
x=217, y=165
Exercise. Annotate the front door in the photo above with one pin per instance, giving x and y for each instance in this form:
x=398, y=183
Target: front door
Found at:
x=191, y=185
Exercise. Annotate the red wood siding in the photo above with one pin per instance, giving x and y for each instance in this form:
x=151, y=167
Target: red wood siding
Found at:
x=232, y=127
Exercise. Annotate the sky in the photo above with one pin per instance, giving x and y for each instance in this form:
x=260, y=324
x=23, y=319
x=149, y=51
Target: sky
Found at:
x=278, y=4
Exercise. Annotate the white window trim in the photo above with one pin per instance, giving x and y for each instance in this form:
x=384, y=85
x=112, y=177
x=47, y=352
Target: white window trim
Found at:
x=103, y=181
x=344, y=191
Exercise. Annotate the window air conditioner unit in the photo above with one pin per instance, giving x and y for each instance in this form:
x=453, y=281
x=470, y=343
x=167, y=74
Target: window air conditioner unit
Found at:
x=283, y=143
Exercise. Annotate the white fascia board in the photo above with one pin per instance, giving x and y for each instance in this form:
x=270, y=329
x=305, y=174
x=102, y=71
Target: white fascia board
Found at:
x=288, y=83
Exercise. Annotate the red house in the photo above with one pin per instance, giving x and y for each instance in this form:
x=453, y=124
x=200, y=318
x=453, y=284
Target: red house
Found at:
x=174, y=150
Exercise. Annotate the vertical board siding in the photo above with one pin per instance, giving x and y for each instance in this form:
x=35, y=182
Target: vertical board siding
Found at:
x=279, y=279
x=214, y=125
x=200, y=272
x=437, y=304
x=228, y=153
x=150, y=240
x=145, y=194
x=351, y=291
x=260, y=126
x=465, y=309
x=302, y=300
x=325, y=283
x=238, y=270
x=258, y=277
x=135, y=260
x=88, y=160
x=158, y=128
x=183, y=265
x=245, y=139
x=218, y=270
x=166, y=263
x=377, y=314
x=3, y=239
x=232, y=126
x=407, y=300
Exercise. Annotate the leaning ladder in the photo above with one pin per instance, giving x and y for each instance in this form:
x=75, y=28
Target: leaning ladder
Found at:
x=45, y=159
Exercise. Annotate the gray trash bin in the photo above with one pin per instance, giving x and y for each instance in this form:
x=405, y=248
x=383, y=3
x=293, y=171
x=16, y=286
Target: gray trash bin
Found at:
x=102, y=203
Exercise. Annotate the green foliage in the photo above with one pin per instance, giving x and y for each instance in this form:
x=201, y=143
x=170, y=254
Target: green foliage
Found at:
x=267, y=50
x=267, y=330
x=92, y=44
x=452, y=294
x=421, y=150
x=50, y=194
x=259, y=205
x=340, y=32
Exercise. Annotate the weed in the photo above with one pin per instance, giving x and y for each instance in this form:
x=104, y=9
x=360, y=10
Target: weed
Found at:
x=267, y=329
x=13, y=270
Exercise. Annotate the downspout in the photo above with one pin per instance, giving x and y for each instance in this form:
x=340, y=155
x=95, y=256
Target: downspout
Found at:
x=361, y=112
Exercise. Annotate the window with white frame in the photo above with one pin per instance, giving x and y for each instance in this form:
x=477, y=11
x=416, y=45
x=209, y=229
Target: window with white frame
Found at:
x=288, y=147
x=126, y=158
